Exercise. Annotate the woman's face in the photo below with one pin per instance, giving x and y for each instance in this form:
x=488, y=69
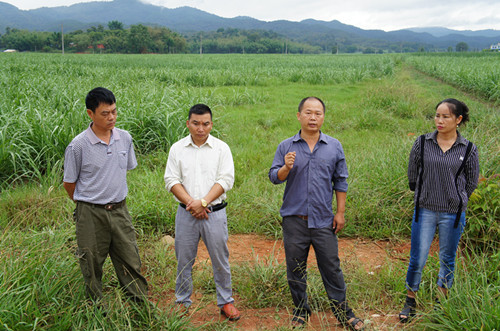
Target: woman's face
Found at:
x=445, y=120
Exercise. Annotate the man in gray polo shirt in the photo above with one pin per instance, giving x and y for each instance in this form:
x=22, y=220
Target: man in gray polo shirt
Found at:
x=95, y=177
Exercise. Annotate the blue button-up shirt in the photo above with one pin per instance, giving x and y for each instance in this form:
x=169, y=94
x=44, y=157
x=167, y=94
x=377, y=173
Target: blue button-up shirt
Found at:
x=313, y=178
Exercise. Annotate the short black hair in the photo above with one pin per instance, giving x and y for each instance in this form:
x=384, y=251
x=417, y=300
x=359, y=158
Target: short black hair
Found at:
x=458, y=108
x=301, y=104
x=97, y=96
x=200, y=109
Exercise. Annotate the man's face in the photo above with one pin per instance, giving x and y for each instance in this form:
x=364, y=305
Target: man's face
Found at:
x=104, y=117
x=311, y=116
x=199, y=126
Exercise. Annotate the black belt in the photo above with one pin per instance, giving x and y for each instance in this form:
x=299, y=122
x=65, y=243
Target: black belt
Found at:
x=108, y=206
x=219, y=206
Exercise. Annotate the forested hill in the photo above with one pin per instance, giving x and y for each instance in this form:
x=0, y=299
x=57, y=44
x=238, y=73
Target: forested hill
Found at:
x=187, y=20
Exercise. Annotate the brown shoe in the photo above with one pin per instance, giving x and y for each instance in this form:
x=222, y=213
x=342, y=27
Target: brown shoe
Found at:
x=230, y=311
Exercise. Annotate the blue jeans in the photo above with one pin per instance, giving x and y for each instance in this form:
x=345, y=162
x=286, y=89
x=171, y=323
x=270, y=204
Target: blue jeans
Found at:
x=422, y=234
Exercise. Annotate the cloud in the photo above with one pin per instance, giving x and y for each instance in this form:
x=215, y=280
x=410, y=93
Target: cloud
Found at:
x=366, y=14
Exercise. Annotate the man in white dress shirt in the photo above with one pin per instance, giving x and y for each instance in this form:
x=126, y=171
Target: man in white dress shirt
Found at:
x=199, y=172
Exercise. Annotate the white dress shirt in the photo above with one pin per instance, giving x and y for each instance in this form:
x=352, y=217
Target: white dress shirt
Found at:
x=198, y=169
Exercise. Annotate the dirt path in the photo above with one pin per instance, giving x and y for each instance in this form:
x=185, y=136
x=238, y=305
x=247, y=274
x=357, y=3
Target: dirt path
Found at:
x=245, y=248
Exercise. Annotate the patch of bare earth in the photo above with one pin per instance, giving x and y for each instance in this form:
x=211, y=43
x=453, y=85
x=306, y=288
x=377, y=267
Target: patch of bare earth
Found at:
x=245, y=248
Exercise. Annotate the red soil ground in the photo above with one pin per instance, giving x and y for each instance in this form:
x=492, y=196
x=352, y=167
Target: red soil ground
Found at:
x=245, y=248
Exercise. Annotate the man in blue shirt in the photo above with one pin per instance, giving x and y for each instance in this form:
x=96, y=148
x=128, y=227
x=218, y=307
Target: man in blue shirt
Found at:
x=313, y=165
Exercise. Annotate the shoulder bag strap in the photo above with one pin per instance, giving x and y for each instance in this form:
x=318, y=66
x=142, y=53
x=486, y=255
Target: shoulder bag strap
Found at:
x=462, y=166
x=420, y=179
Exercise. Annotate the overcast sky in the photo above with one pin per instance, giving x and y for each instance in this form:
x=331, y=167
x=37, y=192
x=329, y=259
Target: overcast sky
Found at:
x=366, y=14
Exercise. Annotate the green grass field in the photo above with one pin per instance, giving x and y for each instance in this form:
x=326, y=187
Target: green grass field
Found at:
x=376, y=106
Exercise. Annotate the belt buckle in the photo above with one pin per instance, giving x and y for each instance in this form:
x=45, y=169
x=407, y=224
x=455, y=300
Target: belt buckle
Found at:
x=108, y=207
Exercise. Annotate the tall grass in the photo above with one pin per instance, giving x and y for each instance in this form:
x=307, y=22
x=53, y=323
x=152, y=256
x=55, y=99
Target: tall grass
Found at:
x=478, y=73
x=263, y=283
x=473, y=302
x=42, y=96
x=376, y=106
x=41, y=282
x=41, y=288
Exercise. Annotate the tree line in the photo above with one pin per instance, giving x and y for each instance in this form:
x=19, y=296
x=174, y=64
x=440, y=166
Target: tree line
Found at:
x=232, y=40
x=114, y=39
x=136, y=39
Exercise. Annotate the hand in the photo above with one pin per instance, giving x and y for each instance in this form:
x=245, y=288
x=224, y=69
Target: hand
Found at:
x=338, y=222
x=290, y=160
x=197, y=210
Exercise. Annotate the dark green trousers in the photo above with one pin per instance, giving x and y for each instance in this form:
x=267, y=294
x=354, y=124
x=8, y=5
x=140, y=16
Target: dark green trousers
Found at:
x=100, y=232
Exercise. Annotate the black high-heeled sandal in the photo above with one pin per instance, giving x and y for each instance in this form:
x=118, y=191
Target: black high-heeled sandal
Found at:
x=409, y=310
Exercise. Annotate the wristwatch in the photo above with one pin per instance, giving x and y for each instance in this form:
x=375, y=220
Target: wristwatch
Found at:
x=204, y=203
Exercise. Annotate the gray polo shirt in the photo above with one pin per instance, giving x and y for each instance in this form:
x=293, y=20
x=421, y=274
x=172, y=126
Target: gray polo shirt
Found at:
x=98, y=169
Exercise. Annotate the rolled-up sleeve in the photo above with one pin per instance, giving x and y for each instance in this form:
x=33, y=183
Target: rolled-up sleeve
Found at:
x=278, y=162
x=225, y=175
x=340, y=174
x=172, y=170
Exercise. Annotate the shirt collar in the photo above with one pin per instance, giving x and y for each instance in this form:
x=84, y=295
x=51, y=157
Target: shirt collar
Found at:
x=95, y=140
x=322, y=137
x=209, y=142
x=460, y=139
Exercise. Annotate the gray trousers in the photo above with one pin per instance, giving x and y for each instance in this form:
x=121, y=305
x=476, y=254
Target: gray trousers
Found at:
x=297, y=239
x=188, y=231
x=100, y=232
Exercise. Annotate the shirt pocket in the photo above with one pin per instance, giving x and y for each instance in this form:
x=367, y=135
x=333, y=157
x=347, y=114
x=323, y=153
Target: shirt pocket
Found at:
x=211, y=169
x=323, y=168
x=123, y=159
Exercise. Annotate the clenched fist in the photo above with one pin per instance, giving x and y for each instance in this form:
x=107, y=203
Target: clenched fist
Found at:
x=290, y=159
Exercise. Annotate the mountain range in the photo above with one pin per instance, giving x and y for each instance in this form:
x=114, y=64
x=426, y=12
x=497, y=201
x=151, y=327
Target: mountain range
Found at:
x=187, y=20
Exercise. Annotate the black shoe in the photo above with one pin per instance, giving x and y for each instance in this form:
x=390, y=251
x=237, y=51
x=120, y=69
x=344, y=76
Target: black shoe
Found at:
x=409, y=310
x=299, y=322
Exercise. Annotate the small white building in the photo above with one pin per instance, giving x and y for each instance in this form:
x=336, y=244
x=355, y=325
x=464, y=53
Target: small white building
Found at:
x=9, y=51
x=495, y=47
